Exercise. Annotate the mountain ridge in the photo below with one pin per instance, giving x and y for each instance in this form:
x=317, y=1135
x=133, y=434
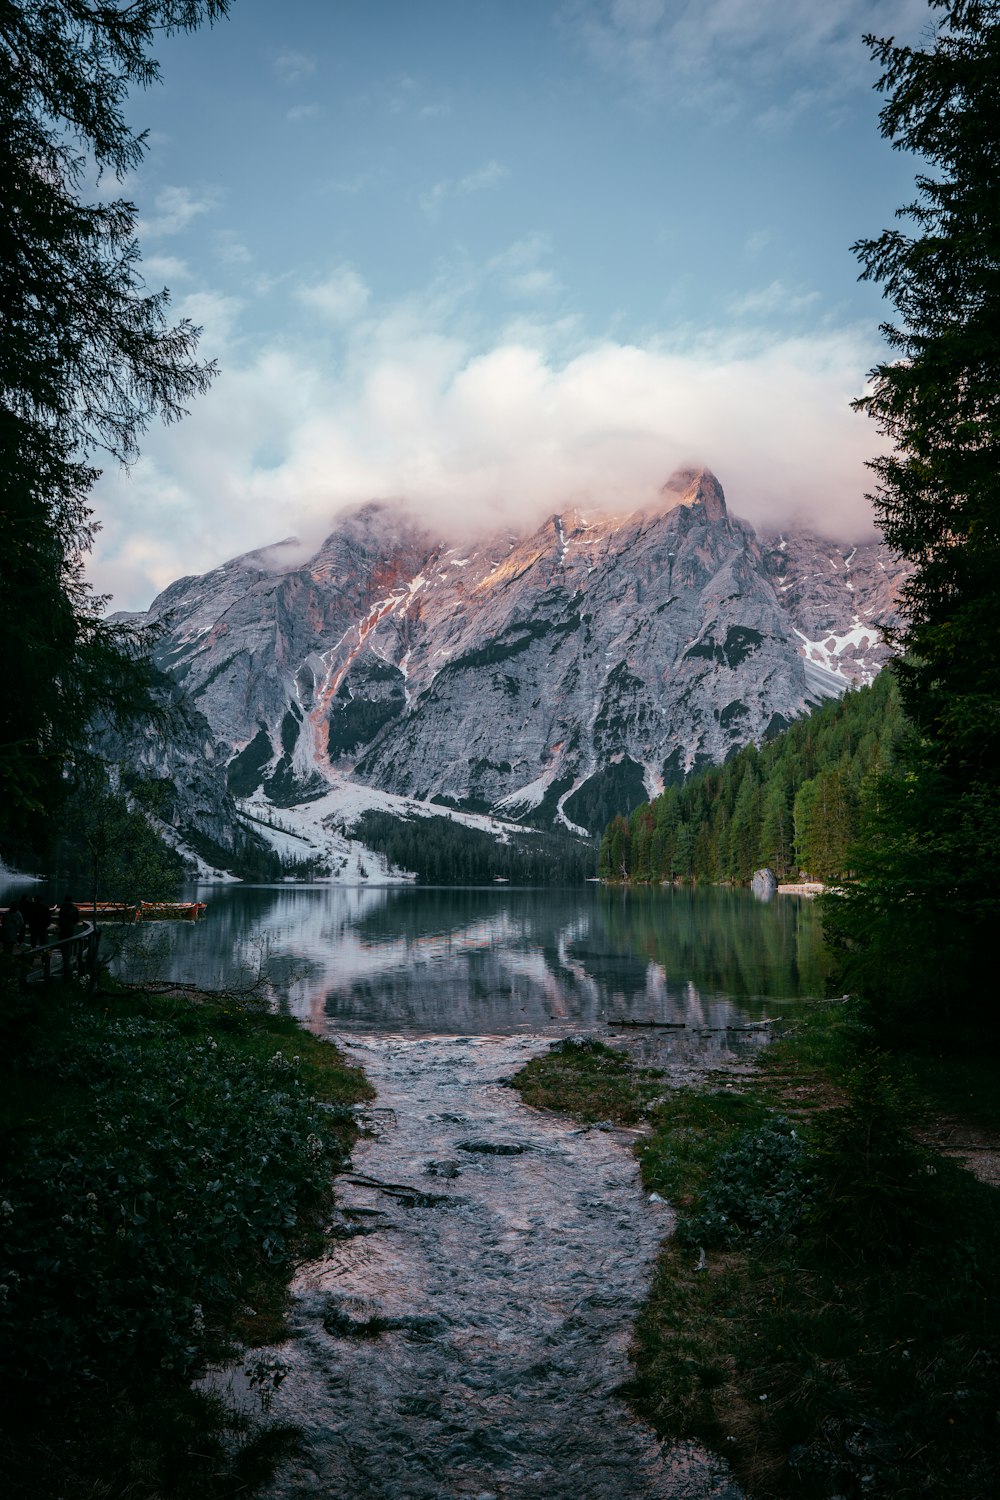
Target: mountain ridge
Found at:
x=539, y=678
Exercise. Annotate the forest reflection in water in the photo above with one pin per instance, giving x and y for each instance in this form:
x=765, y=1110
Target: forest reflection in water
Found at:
x=497, y=960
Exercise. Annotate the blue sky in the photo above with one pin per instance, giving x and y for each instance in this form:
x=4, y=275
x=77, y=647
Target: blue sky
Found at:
x=497, y=257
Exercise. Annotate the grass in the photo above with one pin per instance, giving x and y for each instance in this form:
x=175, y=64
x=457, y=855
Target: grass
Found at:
x=166, y=1163
x=587, y=1079
x=825, y=1314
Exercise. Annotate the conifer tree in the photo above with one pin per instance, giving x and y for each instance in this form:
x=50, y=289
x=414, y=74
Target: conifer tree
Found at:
x=937, y=396
x=919, y=929
x=87, y=358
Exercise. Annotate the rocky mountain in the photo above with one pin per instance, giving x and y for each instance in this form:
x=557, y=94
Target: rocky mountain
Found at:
x=548, y=679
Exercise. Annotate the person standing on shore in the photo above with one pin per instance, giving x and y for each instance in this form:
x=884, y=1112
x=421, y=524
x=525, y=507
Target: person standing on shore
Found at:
x=11, y=928
x=39, y=917
x=68, y=917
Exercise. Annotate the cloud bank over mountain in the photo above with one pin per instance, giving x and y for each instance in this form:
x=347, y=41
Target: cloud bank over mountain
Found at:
x=385, y=403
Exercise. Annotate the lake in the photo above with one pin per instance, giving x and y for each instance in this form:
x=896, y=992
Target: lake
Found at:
x=496, y=960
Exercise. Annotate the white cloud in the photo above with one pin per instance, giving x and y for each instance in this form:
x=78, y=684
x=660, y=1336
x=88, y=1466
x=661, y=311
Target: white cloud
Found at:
x=396, y=406
x=230, y=249
x=164, y=269
x=401, y=94
x=341, y=298
x=303, y=112
x=175, y=207
x=520, y=271
x=766, y=301
x=292, y=66
x=712, y=53
x=350, y=185
x=756, y=242
x=213, y=312
x=488, y=176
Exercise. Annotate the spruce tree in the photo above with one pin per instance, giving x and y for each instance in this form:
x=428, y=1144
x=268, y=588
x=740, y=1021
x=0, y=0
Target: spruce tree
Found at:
x=87, y=358
x=937, y=397
x=919, y=929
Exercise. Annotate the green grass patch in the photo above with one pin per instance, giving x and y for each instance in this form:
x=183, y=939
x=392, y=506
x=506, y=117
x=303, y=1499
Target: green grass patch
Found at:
x=825, y=1313
x=582, y=1077
x=166, y=1163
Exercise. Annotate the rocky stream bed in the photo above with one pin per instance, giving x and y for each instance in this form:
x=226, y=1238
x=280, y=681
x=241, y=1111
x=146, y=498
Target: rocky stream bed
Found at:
x=468, y=1333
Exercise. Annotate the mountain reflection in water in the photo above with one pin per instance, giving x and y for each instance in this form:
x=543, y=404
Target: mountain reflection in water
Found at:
x=495, y=961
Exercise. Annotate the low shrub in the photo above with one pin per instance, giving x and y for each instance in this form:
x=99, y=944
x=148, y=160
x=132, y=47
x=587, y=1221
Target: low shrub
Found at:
x=166, y=1164
x=762, y=1186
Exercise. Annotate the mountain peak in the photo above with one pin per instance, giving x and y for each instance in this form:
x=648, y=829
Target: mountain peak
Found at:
x=697, y=487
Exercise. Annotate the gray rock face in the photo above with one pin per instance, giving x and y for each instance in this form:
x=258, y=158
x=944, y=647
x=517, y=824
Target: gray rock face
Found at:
x=837, y=596
x=556, y=677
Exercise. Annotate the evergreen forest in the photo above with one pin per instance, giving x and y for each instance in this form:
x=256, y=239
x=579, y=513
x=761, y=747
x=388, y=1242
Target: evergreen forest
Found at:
x=793, y=804
x=442, y=852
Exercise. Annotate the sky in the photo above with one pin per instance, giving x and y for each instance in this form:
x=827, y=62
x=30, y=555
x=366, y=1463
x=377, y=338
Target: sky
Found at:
x=498, y=258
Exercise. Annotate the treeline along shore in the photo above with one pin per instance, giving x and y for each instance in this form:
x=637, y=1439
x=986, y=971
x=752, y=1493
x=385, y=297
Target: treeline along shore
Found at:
x=794, y=804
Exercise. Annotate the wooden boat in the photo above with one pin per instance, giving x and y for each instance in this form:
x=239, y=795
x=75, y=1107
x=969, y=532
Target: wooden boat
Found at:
x=170, y=911
x=104, y=911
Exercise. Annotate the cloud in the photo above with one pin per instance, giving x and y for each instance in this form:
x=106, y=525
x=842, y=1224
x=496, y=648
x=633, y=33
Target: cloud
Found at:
x=214, y=313
x=350, y=185
x=175, y=207
x=164, y=269
x=484, y=178
x=291, y=66
x=520, y=272
x=713, y=54
x=473, y=436
x=766, y=301
x=756, y=242
x=341, y=298
x=303, y=112
x=401, y=95
x=229, y=248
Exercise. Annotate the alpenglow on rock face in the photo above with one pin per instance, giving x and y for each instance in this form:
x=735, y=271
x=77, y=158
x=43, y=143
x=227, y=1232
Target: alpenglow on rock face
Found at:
x=554, y=678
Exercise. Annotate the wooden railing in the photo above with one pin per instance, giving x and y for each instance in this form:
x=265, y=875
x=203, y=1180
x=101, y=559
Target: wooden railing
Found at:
x=77, y=955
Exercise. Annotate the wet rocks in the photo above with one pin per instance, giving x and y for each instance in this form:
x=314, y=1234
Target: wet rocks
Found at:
x=479, y=1350
x=339, y=1322
x=492, y=1148
x=442, y=1169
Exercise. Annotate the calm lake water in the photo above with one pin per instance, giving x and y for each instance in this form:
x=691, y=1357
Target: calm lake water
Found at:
x=496, y=960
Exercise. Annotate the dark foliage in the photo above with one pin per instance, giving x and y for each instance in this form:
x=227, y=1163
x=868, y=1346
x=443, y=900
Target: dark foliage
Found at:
x=87, y=357
x=791, y=804
x=164, y=1165
x=918, y=929
x=443, y=852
